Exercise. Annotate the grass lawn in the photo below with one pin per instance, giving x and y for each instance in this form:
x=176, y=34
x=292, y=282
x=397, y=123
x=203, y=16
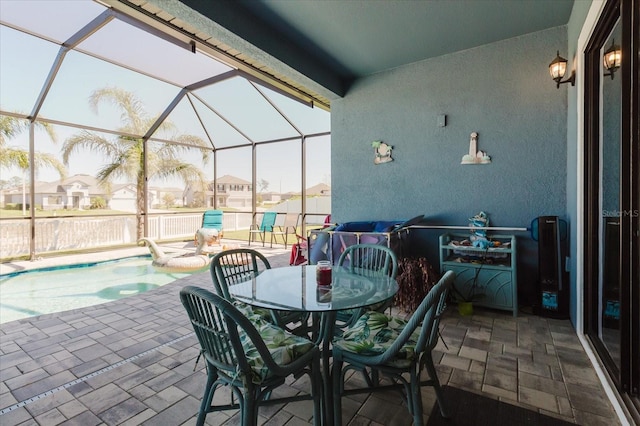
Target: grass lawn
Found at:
x=243, y=235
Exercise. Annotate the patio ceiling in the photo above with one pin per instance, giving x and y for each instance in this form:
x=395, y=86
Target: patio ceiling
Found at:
x=336, y=42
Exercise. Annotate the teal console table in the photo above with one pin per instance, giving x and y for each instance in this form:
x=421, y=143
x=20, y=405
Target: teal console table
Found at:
x=486, y=276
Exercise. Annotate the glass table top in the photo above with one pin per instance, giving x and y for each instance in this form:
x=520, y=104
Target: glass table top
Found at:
x=295, y=289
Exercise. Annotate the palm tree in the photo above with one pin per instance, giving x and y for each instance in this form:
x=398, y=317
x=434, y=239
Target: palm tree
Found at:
x=10, y=156
x=124, y=154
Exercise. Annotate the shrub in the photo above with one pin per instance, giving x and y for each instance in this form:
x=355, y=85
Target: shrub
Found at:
x=98, y=203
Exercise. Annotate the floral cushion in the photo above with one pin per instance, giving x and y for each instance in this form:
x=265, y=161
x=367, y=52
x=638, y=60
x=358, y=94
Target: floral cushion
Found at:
x=254, y=314
x=283, y=346
x=373, y=333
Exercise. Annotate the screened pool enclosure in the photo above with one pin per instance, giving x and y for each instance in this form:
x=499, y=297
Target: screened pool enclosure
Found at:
x=117, y=121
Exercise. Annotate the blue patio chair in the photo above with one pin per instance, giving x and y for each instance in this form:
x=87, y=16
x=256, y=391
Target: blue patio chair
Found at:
x=213, y=219
x=379, y=345
x=266, y=225
x=251, y=357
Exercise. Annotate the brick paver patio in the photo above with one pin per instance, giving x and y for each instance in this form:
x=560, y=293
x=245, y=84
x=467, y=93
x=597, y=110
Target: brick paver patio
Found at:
x=131, y=362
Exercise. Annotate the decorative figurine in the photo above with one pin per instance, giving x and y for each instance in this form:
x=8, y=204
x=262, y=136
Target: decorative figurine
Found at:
x=383, y=152
x=478, y=237
x=474, y=156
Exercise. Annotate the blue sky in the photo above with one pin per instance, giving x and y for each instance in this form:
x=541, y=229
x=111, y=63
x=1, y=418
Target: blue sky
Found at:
x=25, y=62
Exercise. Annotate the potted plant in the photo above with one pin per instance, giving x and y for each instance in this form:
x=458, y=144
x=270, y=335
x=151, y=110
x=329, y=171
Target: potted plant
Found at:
x=465, y=301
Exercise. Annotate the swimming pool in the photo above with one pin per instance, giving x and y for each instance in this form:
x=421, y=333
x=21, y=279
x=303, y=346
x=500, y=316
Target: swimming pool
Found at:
x=61, y=288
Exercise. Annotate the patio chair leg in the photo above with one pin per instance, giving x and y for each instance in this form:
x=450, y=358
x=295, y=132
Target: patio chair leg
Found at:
x=249, y=409
x=415, y=399
x=318, y=393
x=433, y=375
x=338, y=377
x=208, y=396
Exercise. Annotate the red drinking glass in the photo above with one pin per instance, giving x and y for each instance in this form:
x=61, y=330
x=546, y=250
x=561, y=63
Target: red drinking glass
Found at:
x=323, y=273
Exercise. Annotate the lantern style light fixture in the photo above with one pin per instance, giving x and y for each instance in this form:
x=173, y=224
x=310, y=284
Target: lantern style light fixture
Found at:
x=558, y=68
x=612, y=59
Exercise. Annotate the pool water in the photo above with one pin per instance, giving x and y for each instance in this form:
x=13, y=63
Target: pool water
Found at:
x=57, y=289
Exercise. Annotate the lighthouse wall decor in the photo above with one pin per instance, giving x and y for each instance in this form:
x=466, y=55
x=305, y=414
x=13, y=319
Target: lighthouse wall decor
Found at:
x=475, y=156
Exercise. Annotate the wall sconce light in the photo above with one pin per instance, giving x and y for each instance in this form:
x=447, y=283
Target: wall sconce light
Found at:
x=612, y=59
x=557, y=69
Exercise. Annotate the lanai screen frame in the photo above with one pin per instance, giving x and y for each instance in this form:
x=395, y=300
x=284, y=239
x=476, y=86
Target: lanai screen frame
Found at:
x=189, y=92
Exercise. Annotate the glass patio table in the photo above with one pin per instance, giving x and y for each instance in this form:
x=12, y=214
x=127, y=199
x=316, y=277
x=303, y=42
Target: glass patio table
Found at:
x=294, y=288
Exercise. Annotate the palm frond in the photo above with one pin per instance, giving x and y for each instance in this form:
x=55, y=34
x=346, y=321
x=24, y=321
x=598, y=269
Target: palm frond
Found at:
x=187, y=172
x=10, y=157
x=10, y=127
x=89, y=141
x=42, y=160
x=132, y=113
x=109, y=172
x=49, y=129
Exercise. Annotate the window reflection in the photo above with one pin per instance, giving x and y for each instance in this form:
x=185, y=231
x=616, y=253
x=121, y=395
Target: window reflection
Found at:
x=610, y=199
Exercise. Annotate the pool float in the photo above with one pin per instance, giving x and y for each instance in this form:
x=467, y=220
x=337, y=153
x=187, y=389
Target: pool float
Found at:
x=191, y=262
x=210, y=235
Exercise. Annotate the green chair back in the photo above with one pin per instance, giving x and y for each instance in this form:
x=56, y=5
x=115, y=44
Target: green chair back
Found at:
x=235, y=266
x=370, y=260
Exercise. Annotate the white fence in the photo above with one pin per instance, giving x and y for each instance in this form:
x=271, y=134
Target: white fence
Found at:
x=65, y=234
x=77, y=233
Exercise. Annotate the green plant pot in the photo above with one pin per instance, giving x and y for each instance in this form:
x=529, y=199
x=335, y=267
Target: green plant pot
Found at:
x=465, y=308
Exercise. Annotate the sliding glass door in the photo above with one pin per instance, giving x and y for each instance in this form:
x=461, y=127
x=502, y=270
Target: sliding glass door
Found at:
x=612, y=191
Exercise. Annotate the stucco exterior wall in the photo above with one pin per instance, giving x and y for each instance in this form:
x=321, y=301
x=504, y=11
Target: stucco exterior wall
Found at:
x=504, y=92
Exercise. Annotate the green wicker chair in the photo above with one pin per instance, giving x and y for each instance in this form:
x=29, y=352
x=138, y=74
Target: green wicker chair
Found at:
x=252, y=357
x=369, y=260
x=381, y=345
x=238, y=265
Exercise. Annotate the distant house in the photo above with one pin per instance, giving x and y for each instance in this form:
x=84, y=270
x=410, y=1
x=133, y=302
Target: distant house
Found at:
x=123, y=197
x=271, y=197
x=231, y=192
x=319, y=189
x=77, y=192
x=236, y=193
